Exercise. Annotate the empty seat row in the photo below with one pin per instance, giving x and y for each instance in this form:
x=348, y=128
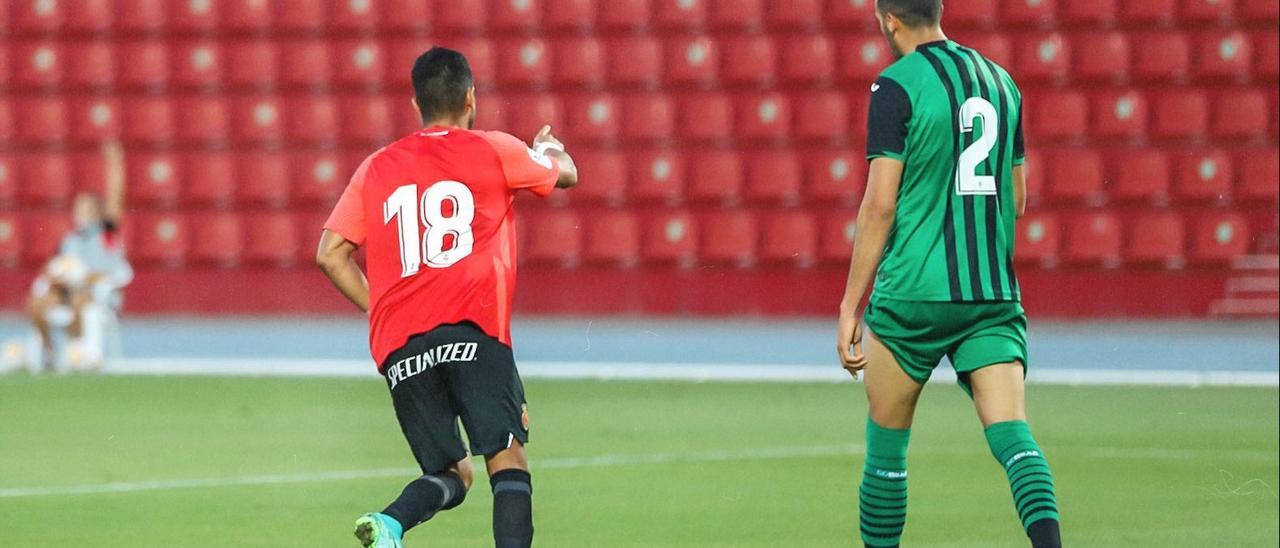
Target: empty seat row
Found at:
x=251, y=16
x=626, y=61
x=1166, y=239
x=1178, y=114
x=1144, y=175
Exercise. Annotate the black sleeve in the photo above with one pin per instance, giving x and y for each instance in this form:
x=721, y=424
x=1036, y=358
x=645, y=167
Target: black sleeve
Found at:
x=887, y=120
x=1019, y=146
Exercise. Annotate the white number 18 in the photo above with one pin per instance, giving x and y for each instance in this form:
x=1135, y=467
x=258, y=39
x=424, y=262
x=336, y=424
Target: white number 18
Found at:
x=428, y=248
x=968, y=182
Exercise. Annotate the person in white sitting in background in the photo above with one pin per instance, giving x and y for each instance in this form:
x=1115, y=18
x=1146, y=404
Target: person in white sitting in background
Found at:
x=78, y=293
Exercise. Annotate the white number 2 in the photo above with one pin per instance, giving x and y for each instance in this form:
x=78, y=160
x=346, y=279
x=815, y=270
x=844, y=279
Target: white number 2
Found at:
x=403, y=206
x=968, y=182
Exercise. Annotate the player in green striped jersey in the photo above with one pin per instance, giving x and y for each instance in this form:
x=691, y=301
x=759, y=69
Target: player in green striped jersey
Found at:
x=936, y=231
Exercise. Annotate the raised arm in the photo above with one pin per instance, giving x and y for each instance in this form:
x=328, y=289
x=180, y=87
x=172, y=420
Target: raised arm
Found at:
x=549, y=145
x=113, y=193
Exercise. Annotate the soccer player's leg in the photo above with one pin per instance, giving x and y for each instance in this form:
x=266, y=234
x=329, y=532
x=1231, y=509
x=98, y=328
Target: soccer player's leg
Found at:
x=990, y=365
x=892, y=395
x=491, y=404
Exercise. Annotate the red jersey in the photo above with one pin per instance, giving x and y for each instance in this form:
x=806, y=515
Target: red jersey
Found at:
x=435, y=214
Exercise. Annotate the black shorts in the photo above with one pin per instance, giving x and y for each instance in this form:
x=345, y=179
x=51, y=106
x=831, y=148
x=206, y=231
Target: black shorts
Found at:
x=456, y=372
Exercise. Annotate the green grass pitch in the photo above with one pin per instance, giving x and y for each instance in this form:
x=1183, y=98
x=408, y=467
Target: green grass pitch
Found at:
x=732, y=465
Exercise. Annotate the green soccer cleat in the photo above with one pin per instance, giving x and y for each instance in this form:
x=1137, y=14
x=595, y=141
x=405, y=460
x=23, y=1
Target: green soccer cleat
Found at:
x=377, y=531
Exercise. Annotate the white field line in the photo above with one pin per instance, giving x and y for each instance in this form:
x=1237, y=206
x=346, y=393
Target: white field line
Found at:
x=607, y=461
x=687, y=372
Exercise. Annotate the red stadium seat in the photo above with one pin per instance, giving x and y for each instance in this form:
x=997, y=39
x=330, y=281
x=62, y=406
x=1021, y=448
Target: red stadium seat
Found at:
x=992, y=46
x=43, y=233
x=1029, y=12
x=1204, y=177
x=569, y=14
x=624, y=14
x=197, y=64
x=312, y=119
x=591, y=118
x=218, y=237
x=1042, y=57
x=728, y=237
x=36, y=17
x=245, y=15
x=1207, y=10
x=821, y=115
x=305, y=64
x=11, y=240
x=764, y=117
x=263, y=178
x=1181, y=114
x=1228, y=56
x=532, y=111
x=524, y=63
x=271, y=239
x=1149, y=11
x=679, y=14
x=361, y=63
x=835, y=177
x=854, y=14
x=95, y=120
x=144, y=65
x=37, y=64
x=706, y=117
x=41, y=121
x=749, y=60
x=789, y=238
x=252, y=64
x=1035, y=167
x=366, y=15
x=555, y=238
x=863, y=57
x=773, y=177
x=159, y=239
x=209, y=179
x=1140, y=175
x=1241, y=114
x=1102, y=57
x=405, y=118
x=613, y=238
x=1163, y=56
x=974, y=13
x=257, y=119
x=736, y=14
x=670, y=238
x=301, y=15
x=1077, y=176
x=579, y=61
x=1218, y=238
x=647, y=118
x=460, y=15
x=1089, y=12
x=88, y=171
x=692, y=60
x=139, y=16
x=1262, y=11
x=204, y=120
x=715, y=176
x=318, y=178
x=835, y=242
x=410, y=16
x=154, y=179
x=1156, y=239
x=1059, y=116
x=8, y=179
x=657, y=176
x=806, y=60
x=90, y=65
x=148, y=120
x=514, y=15
x=603, y=174
x=1120, y=115
x=7, y=128
x=1259, y=175
x=795, y=14
x=45, y=178
x=1093, y=239
x=492, y=111
x=635, y=61
x=1266, y=52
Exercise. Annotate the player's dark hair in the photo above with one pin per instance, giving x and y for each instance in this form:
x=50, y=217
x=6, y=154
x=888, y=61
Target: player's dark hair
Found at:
x=913, y=13
x=441, y=79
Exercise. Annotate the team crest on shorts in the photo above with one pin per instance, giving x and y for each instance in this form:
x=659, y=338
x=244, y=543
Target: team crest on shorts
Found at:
x=524, y=416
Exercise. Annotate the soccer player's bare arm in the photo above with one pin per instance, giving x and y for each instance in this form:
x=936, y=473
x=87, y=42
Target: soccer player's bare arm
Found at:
x=552, y=147
x=334, y=257
x=1020, y=189
x=875, y=220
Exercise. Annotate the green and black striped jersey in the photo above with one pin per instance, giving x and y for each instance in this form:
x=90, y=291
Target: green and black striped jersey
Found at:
x=954, y=119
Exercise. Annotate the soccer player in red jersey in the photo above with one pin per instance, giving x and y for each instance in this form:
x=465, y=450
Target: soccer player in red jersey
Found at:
x=435, y=214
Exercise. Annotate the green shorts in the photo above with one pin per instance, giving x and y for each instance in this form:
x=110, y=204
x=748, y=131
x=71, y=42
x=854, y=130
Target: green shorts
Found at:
x=971, y=335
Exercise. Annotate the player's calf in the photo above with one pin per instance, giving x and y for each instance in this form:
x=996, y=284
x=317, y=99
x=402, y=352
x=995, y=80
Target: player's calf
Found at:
x=512, y=508
x=882, y=495
x=423, y=498
x=1030, y=479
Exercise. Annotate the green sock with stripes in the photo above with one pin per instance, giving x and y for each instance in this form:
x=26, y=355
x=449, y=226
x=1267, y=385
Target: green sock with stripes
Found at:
x=1029, y=477
x=882, y=497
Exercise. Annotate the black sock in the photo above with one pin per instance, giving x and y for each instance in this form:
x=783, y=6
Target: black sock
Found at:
x=512, y=509
x=1044, y=534
x=425, y=496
